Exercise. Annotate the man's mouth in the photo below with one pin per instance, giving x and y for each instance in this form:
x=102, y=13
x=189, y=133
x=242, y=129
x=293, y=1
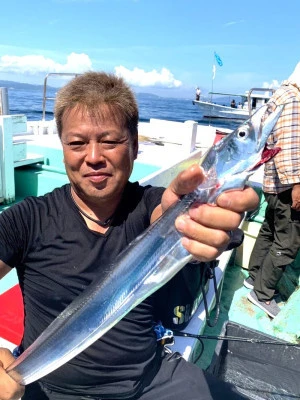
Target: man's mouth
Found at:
x=97, y=177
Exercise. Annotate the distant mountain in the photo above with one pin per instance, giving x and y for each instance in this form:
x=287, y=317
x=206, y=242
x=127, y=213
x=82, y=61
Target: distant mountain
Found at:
x=146, y=95
x=140, y=95
x=24, y=86
x=20, y=85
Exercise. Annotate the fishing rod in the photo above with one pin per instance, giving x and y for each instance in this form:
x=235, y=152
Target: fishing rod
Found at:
x=234, y=339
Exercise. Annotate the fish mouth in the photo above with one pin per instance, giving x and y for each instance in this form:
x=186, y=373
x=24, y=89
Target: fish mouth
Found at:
x=258, y=122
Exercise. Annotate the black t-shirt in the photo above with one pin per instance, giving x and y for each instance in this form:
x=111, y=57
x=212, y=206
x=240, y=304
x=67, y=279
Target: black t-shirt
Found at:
x=56, y=257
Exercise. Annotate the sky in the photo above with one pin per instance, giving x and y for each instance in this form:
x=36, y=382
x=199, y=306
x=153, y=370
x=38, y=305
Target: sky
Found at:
x=165, y=47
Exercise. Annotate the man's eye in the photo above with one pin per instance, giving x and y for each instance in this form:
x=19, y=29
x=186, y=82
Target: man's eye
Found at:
x=77, y=145
x=109, y=144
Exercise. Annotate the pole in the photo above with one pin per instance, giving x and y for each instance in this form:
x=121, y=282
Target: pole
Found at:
x=4, y=107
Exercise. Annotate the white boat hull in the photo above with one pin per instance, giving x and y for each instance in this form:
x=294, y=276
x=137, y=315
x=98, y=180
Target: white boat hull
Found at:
x=212, y=110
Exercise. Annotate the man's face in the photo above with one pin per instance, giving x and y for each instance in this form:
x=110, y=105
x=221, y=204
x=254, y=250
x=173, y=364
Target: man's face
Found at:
x=98, y=156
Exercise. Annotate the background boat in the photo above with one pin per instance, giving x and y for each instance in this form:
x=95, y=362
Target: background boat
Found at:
x=245, y=104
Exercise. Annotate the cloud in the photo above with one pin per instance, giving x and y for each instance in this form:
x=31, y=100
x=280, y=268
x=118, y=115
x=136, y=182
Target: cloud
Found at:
x=36, y=64
x=273, y=85
x=241, y=21
x=141, y=78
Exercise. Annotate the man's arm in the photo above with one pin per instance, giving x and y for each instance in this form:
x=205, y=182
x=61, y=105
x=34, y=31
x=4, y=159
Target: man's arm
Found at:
x=206, y=228
x=296, y=197
x=9, y=389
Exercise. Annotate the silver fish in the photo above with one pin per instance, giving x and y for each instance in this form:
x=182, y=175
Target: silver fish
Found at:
x=150, y=261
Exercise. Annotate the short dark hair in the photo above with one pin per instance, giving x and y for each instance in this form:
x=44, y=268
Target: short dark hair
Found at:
x=89, y=91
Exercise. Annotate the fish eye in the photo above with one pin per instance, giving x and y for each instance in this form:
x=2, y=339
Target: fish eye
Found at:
x=242, y=133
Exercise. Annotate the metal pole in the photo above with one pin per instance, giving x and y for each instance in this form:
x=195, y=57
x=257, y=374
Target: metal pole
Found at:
x=4, y=107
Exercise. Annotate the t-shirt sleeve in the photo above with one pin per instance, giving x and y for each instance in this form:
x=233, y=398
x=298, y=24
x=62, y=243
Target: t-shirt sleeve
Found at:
x=13, y=234
x=152, y=198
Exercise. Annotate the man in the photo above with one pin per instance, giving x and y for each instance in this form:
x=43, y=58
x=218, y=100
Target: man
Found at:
x=60, y=242
x=233, y=104
x=198, y=93
x=278, y=241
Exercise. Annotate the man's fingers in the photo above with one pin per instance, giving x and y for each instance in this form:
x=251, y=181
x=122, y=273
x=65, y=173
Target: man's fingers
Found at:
x=246, y=200
x=6, y=358
x=185, y=182
x=205, y=230
x=215, y=217
x=9, y=389
x=201, y=233
x=204, y=242
x=188, y=180
x=201, y=252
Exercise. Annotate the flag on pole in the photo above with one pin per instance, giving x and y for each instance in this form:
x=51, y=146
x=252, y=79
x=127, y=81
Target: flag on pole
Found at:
x=213, y=72
x=218, y=59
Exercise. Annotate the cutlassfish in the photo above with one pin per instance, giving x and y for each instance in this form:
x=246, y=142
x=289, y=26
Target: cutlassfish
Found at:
x=150, y=261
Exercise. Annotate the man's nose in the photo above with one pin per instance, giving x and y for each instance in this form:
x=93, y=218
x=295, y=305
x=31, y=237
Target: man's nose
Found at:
x=94, y=152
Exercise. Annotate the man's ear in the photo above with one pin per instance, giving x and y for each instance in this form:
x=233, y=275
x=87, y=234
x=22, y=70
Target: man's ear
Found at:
x=135, y=147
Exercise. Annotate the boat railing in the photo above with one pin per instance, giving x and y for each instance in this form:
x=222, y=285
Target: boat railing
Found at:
x=45, y=97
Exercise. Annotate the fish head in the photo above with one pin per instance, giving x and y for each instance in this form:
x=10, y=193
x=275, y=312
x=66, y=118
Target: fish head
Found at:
x=229, y=163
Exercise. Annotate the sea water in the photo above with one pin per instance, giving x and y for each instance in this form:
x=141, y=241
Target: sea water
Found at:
x=28, y=99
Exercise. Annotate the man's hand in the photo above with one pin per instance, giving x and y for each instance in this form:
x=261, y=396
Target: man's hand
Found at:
x=9, y=389
x=206, y=228
x=296, y=197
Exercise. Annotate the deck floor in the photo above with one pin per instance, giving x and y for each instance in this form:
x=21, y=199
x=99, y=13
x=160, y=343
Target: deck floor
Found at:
x=235, y=307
